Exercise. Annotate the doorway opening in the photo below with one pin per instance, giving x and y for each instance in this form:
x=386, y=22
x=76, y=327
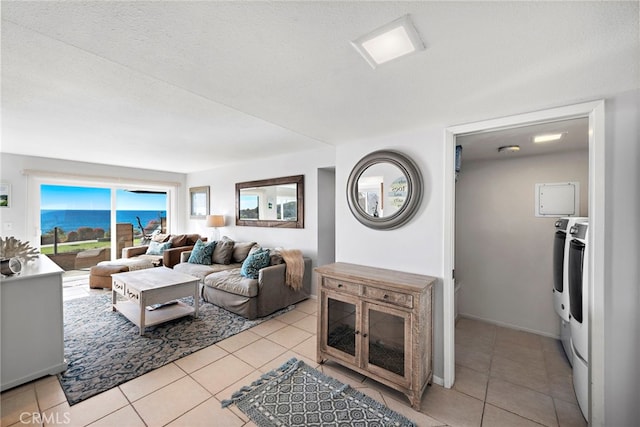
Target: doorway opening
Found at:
x=326, y=216
x=594, y=112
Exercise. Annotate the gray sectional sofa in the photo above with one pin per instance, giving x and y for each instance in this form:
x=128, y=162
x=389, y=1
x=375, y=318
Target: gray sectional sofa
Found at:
x=224, y=285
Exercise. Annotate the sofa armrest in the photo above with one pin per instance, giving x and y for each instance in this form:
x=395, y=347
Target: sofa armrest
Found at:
x=184, y=256
x=272, y=275
x=171, y=256
x=132, y=251
x=275, y=275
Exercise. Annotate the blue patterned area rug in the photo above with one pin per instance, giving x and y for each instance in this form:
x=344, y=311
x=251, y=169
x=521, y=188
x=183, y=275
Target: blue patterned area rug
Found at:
x=298, y=395
x=104, y=349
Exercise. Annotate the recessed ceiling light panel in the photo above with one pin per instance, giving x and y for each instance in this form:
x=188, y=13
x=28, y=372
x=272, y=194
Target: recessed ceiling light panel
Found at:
x=391, y=41
x=548, y=137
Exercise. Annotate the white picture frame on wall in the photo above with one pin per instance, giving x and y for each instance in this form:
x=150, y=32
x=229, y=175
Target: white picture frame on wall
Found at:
x=5, y=195
x=199, y=202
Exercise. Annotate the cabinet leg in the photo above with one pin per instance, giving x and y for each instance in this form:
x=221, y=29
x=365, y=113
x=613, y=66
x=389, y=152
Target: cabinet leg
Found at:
x=415, y=404
x=415, y=400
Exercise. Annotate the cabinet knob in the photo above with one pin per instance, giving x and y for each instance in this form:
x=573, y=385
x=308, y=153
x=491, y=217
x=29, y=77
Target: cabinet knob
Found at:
x=364, y=335
x=385, y=296
x=357, y=332
x=339, y=285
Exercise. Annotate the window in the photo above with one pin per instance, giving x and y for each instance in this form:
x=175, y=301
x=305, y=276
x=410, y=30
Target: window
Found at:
x=82, y=225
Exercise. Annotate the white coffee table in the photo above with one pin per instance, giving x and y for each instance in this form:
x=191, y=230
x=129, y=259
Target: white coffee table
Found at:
x=142, y=288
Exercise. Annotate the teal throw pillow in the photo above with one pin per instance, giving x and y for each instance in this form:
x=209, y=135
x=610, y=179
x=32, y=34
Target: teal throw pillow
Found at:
x=202, y=253
x=156, y=248
x=254, y=262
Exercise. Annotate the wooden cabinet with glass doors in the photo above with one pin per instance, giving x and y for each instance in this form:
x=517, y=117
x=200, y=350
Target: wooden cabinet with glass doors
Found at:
x=378, y=323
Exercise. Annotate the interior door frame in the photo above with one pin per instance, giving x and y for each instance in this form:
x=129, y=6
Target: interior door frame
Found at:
x=595, y=112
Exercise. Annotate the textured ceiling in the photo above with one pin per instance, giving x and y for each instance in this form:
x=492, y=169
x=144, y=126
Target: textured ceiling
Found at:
x=187, y=86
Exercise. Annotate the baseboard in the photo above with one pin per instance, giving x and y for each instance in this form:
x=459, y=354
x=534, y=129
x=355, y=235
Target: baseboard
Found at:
x=508, y=325
x=437, y=380
x=50, y=370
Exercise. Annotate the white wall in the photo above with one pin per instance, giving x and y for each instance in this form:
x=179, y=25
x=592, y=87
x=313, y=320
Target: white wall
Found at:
x=622, y=265
x=12, y=169
x=503, y=251
x=415, y=247
x=222, y=183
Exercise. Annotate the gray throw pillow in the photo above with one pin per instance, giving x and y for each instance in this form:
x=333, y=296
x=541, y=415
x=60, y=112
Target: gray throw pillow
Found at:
x=241, y=250
x=223, y=251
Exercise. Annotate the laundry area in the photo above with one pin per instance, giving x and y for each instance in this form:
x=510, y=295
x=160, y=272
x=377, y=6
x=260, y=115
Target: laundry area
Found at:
x=521, y=227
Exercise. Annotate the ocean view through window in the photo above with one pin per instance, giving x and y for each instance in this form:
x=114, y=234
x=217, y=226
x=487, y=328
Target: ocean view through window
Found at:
x=76, y=222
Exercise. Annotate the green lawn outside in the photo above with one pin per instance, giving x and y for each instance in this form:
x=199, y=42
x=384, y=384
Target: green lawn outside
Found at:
x=78, y=247
x=74, y=247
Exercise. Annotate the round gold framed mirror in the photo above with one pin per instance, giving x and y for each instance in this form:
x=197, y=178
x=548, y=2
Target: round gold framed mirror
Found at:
x=384, y=190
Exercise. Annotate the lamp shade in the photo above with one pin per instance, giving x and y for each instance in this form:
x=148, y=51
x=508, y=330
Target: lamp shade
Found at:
x=215, y=220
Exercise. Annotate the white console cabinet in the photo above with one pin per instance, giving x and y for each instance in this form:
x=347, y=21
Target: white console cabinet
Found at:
x=31, y=328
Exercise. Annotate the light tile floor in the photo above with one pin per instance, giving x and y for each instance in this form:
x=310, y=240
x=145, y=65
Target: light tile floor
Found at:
x=503, y=378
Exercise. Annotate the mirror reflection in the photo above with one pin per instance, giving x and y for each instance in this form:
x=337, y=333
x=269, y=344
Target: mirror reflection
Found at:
x=276, y=202
x=382, y=190
x=273, y=202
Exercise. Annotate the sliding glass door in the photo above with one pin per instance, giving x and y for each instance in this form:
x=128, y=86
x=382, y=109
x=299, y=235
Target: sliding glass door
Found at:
x=144, y=210
x=83, y=225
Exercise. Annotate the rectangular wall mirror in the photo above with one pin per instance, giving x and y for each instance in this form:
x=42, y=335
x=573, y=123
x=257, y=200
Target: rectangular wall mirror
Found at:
x=276, y=202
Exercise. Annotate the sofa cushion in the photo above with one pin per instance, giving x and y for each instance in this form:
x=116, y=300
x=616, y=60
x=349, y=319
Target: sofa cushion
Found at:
x=160, y=237
x=275, y=257
x=233, y=282
x=156, y=248
x=202, y=253
x=200, y=270
x=193, y=238
x=254, y=262
x=223, y=252
x=132, y=264
x=178, y=240
x=241, y=250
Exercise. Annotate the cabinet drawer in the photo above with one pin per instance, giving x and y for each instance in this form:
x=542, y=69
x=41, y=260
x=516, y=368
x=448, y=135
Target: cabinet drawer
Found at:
x=118, y=287
x=132, y=294
x=339, y=285
x=396, y=298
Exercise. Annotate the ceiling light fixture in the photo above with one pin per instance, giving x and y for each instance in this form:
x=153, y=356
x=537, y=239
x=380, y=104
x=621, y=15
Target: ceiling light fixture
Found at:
x=549, y=137
x=391, y=41
x=509, y=149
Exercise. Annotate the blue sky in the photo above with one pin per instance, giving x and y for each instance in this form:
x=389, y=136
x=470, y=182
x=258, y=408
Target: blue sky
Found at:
x=60, y=197
x=248, y=202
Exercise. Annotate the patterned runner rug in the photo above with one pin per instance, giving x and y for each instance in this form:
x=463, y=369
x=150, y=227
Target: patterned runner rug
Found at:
x=104, y=349
x=298, y=395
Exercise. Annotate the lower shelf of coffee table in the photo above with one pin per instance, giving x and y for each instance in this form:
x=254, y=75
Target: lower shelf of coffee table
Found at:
x=131, y=311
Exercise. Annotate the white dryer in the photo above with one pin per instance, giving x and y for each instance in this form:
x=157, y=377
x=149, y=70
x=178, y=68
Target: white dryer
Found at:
x=579, y=311
x=561, y=278
x=561, y=264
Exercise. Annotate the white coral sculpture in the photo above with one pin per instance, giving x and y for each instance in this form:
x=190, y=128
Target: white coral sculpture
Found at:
x=12, y=247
